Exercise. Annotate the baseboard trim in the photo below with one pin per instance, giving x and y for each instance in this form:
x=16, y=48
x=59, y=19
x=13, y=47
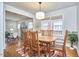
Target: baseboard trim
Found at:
x=1, y=54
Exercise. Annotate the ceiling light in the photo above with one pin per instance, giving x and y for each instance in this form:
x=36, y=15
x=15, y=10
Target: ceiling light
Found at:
x=40, y=14
x=11, y=29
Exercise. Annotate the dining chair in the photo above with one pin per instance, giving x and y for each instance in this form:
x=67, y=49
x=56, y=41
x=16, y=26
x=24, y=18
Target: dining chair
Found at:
x=26, y=37
x=61, y=48
x=37, y=50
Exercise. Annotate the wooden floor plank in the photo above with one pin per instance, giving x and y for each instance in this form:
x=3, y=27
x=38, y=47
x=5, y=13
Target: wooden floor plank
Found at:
x=10, y=51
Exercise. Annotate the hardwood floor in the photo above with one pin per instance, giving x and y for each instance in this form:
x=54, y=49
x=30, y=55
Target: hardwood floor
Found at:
x=71, y=52
x=10, y=51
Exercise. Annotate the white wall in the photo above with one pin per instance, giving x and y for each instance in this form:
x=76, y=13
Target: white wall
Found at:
x=70, y=17
x=1, y=29
x=78, y=24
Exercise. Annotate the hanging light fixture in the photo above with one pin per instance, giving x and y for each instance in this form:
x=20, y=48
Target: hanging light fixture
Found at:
x=40, y=14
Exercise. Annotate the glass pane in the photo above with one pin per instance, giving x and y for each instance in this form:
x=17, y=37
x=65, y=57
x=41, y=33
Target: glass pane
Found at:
x=57, y=25
x=30, y=25
x=44, y=25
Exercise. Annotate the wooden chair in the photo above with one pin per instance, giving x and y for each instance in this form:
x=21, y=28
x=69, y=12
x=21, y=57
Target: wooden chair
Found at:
x=36, y=48
x=26, y=39
x=27, y=42
x=61, y=48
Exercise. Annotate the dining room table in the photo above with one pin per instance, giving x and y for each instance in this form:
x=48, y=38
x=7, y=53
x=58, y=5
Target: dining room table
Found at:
x=48, y=40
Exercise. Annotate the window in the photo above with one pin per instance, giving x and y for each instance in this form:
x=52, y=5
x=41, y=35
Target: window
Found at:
x=19, y=26
x=44, y=25
x=57, y=25
x=30, y=25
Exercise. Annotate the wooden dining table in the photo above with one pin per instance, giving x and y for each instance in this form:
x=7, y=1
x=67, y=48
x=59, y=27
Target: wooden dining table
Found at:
x=48, y=40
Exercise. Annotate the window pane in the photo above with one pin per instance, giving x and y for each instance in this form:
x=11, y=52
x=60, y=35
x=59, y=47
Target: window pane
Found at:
x=44, y=25
x=18, y=26
x=57, y=25
x=30, y=25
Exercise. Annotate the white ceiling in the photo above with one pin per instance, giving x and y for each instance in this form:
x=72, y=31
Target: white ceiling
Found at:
x=46, y=6
x=33, y=7
x=15, y=17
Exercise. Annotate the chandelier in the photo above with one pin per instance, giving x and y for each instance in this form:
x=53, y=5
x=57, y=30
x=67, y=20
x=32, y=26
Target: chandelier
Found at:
x=40, y=14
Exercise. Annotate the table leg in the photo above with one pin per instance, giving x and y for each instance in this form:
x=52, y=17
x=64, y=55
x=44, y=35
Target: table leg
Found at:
x=48, y=49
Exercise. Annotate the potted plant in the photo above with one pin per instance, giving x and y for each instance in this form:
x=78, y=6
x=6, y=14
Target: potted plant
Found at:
x=72, y=36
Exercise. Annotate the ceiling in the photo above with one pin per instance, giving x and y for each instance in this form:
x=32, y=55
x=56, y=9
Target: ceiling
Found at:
x=34, y=7
x=15, y=17
x=45, y=6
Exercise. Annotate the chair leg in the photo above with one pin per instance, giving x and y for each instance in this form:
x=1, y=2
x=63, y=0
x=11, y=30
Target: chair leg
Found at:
x=64, y=54
x=24, y=49
x=52, y=53
x=38, y=53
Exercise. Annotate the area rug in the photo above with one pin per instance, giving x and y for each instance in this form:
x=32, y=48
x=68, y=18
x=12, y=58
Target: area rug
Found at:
x=20, y=51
